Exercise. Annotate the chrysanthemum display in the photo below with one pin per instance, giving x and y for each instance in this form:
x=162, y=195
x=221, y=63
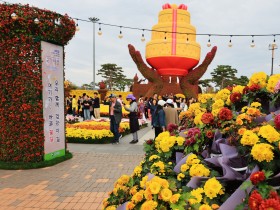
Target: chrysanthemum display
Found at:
x=224, y=143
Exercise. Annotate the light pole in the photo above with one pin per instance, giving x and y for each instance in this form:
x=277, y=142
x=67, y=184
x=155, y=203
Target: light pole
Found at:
x=93, y=20
x=272, y=47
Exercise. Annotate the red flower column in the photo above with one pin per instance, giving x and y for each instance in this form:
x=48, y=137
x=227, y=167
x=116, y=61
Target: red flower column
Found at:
x=21, y=109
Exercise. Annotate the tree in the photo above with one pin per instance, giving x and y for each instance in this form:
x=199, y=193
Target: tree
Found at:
x=205, y=82
x=243, y=80
x=223, y=76
x=112, y=75
x=123, y=83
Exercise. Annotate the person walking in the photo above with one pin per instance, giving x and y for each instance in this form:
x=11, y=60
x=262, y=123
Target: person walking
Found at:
x=133, y=118
x=171, y=114
x=115, y=113
x=158, y=120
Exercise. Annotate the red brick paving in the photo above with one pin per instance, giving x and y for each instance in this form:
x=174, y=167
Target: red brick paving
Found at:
x=79, y=183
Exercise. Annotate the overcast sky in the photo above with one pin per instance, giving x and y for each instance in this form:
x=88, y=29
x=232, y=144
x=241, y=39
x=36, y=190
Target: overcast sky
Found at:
x=250, y=17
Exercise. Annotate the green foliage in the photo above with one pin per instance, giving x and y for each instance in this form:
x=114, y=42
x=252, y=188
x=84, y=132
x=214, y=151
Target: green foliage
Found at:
x=114, y=77
x=43, y=164
x=223, y=76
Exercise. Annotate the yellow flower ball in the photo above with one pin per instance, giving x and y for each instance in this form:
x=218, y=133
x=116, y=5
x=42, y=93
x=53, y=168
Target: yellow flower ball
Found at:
x=212, y=188
x=269, y=133
x=197, y=194
x=166, y=194
x=262, y=152
x=184, y=167
x=175, y=198
x=180, y=176
x=249, y=138
x=154, y=187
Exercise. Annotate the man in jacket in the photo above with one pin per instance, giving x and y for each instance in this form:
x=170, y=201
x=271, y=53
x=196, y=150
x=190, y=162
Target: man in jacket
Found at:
x=171, y=114
x=115, y=113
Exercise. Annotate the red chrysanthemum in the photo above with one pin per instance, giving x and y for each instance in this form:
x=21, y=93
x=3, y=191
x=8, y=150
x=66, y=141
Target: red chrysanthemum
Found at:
x=209, y=134
x=270, y=204
x=257, y=177
x=274, y=195
x=255, y=200
x=254, y=87
x=246, y=90
x=193, y=132
x=235, y=97
x=229, y=88
x=150, y=142
x=277, y=121
x=207, y=118
x=225, y=114
x=172, y=127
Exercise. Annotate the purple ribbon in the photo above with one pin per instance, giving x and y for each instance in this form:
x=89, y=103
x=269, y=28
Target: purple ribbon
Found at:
x=179, y=156
x=215, y=148
x=237, y=197
x=177, y=168
x=123, y=206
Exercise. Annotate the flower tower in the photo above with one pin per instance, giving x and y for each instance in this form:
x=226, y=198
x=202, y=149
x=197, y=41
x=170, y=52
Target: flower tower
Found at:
x=173, y=50
x=172, y=54
x=23, y=29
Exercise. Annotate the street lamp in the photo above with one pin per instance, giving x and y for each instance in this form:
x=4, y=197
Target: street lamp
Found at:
x=93, y=20
x=272, y=47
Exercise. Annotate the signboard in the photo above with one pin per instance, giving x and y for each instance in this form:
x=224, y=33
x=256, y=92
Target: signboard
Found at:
x=53, y=100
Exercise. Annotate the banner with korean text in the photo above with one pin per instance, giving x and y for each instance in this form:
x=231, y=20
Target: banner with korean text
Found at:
x=53, y=100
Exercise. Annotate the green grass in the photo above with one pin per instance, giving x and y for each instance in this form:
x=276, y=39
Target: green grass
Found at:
x=43, y=164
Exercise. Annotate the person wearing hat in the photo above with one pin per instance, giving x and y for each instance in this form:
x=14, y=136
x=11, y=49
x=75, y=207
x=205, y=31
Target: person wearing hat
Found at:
x=171, y=114
x=133, y=118
x=115, y=114
x=158, y=120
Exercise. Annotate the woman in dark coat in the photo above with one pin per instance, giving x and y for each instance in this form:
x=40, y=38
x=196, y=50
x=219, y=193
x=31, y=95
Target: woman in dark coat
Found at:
x=158, y=120
x=133, y=118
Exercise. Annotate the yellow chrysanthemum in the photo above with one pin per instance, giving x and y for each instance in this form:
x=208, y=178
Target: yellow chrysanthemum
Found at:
x=138, y=197
x=272, y=81
x=137, y=171
x=149, y=205
x=205, y=207
x=133, y=190
x=259, y=78
x=111, y=207
x=262, y=152
x=222, y=94
x=180, y=140
x=197, y=194
x=199, y=170
x=143, y=181
x=238, y=89
x=212, y=188
x=192, y=159
x=175, y=198
x=166, y=194
x=249, y=138
x=130, y=205
x=269, y=133
x=154, y=187
x=184, y=167
x=154, y=157
x=197, y=119
x=180, y=176
x=256, y=104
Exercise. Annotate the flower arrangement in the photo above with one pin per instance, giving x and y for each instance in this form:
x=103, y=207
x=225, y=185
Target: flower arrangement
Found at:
x=70, y=119
x=21, y=78
x=200, y=182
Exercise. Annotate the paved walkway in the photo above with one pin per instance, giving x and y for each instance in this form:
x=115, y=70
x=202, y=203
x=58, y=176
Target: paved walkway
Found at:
x=80, y=183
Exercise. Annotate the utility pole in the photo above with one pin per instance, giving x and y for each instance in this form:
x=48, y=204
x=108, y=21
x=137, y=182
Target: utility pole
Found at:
x=272, y=47
x=93, y=20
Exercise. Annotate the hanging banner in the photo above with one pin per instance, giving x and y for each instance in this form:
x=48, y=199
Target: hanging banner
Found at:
x=53, y=100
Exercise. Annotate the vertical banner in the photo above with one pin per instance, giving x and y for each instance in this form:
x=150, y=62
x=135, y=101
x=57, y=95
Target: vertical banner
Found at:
x=53, y=100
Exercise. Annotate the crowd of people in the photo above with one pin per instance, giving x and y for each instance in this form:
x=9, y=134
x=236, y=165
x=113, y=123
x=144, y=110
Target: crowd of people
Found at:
x=160, y=110
x=84, y=106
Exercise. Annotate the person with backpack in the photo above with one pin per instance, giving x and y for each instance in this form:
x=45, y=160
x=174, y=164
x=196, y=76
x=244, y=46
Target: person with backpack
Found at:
x=158, y=120
x=133, y=117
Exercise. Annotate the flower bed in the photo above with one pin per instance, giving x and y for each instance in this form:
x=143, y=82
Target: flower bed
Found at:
x=95, y=131
x=219, y=151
